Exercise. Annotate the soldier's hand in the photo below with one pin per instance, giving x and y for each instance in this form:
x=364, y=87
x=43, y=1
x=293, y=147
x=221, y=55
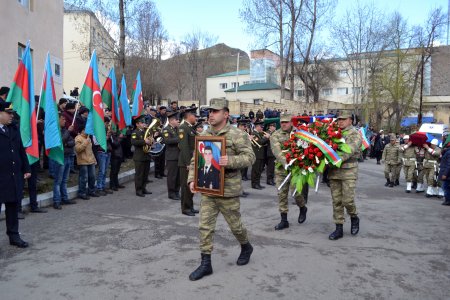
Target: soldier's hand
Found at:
x=426, y=146
x=191, y=187
x=266, y=135
x=223, y=161
x=26, y=175
x=71, y=128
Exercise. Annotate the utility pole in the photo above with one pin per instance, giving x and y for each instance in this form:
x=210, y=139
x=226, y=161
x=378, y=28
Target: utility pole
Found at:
x=419, y=117
x=237, y=77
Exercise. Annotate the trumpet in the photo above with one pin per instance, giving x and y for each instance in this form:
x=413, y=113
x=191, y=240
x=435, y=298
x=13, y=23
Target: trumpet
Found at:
x=255, y=143
x=149, y=133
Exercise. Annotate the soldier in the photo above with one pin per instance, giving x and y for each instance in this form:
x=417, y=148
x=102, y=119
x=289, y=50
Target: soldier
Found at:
x=186, y=133
x=343, y=180
x=260, y=139
x=270, y=159
x=238, y=154
x=392, y=158
x=276, y=141
x=418, y=175
x=160, y=159
x=242, y=125
x=409, y=162
x=171, y=139
x=140, y=158
x=430, y=167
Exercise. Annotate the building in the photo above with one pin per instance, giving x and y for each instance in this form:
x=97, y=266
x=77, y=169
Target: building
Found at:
x=84, y=33
x=41, y=23
x=216, y=85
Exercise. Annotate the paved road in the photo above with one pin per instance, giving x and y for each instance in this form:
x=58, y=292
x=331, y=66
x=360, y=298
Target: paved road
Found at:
x=125, y=247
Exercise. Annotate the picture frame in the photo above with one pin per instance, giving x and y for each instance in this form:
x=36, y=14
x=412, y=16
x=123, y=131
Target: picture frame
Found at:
x=209, y=177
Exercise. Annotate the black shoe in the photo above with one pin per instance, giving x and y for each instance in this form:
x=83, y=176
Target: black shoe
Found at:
x=115, y=189
x=397, y=182
x=195, y=211
x=140, y=194
x=354, y=228
x=388, y=182
x=174, y=197
x=407, y=191
x=95, y=194
x=284, y=222
x=68, y=202
x=158, y=176
x=244, y=178
x=84, y=197
x=18, y=242
x=446, y=203
x=261, y=186
x=188, y=213
x=245, y=194
x=57, y=206
x=246, y=252
x=108, y=191
x=391, y=184
x=428, y=195
x=100, y=193
x=121, y=186
x=302, y=215
x=147, y=192
x=270, y=182
x=338, y=233
x=148, y=181
x=256, y=187
x=73, y=172
x=204, y=269
x=38, y=210
x=20, y=215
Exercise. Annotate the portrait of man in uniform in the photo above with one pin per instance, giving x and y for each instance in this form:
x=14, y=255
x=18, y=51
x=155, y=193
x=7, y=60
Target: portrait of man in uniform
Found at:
x=209, y=176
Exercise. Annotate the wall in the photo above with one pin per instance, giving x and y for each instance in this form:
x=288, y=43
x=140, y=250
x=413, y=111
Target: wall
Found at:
x=42, y=24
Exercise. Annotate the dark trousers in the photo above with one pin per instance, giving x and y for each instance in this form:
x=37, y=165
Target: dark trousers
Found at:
x=32, y=187
x=12, y=222
x=256, y=171
x=173, y=177
x=140, y=178
x=270, y=171
x=114, y=172
x=244, y=172
x=160, y=164
x=186, y=195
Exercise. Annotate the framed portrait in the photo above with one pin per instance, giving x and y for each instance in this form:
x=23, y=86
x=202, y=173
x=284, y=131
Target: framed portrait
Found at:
x=209, y=176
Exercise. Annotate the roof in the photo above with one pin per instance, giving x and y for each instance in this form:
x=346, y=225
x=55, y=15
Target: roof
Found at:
x=241, y=72
x=255, y=87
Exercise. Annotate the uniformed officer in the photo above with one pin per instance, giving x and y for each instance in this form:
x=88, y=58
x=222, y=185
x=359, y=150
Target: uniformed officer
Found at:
x=392, y=157
x=243, y=124
x=276, y=141
x=171, y=140
x=430, y=167
x=260, y=140
x=160, y=160
x=238, y=154
x=409, y=162
x=186, y=133
x=343, y=179
x=14, y=169
x=270, y=158
x=140, y=158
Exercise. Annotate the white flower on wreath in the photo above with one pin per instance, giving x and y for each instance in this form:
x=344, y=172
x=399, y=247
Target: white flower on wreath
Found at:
x=304, y=172
x=302, y=144
x=310, y=170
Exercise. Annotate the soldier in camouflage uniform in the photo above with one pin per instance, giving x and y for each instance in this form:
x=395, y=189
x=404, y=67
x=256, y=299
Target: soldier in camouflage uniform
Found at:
x=392, y=157
x=343, y=180
x=140, y=158
x=276, y=141
x=171, y=139
x=430, y=167
x=409, y=162
x=238, y=154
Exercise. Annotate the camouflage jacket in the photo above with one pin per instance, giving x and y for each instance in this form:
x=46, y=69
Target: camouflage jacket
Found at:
x=349, y=167
x=277, y=140
x=392, y=154
x=408, y=156
x=431, y=158
x=240, y=155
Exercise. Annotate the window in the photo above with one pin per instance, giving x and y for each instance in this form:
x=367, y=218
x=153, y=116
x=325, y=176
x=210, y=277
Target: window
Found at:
x=223, y=86
x=246, y=82
x=20, y=50
x=357, y=90
x=57, y=70
x=24, y=3
x=357, y=73
x=257, y=101
x=301, y=93
x=342, y=91
x=327, y=92
x=342, y=73
x=233, y=84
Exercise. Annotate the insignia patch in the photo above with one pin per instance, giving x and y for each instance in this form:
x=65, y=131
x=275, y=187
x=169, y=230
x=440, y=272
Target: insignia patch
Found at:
x=166, y=134
x=133, y=136
x=181, y=135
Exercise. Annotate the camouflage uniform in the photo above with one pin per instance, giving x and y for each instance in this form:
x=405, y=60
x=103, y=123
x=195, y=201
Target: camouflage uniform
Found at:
x=430, y=165
x=240, y=155
x=343, y=179
x=392, y=159
x=276, y=140
x=420, y=156
x=409, y=164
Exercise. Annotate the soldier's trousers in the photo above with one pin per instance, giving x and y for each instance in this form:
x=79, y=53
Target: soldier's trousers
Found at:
x=397, y=172
x=429, y=175
x=409, y=172
x=173, y=177
x=419, y=174
x=142, y=168
x=244, y=172
x=209, y=210
x=186, y=195
x=283, y=193
x=270, y=171
x=390, y=171
x=256, y=171
x=160, y=164
x=343, y=194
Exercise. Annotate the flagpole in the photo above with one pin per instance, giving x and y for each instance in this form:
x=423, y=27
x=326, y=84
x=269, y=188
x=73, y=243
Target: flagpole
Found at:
x=40, y=93
x=76, y=110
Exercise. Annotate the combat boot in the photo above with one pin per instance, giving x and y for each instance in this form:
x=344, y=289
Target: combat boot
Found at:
x=338, y=233
x=204, y=269
x=397, y=182
x=284, y=222
x=388, y=182
x=391, y=184
x=302, y=215
x=246, y=252
x=429, y=193
x=419, y=188
x=446, y=202
x=354, y=228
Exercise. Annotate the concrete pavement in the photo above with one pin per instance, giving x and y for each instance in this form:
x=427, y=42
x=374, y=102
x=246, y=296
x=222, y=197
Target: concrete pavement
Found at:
x=125, y=247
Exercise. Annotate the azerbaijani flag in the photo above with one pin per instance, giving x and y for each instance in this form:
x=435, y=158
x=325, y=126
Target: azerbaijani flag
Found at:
x=110, y=97
x=138, y=101
x=92, y=98
x=52, y=130
x=125, y=114
x=21, y=96
x=365, y=143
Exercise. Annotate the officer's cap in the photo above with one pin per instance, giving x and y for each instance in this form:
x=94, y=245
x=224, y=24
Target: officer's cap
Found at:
x=6, y=106
x=258, y=123
x=173, y=114
x=140, y=119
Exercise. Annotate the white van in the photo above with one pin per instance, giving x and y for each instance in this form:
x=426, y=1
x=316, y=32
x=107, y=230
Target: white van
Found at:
x=437, y=130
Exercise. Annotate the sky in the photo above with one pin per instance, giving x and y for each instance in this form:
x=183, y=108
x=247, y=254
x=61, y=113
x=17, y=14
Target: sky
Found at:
x=221, y=17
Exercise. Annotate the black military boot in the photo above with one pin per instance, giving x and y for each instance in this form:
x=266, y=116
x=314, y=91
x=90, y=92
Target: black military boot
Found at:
x=302, y=215
x=388, y=182
x=391, y=184
x=246, y=252
x=284, y=222
x=354, y=228
x=338, y=233
x=446, y=202
x=397, y=182
x=414, y=185
x=204, y=269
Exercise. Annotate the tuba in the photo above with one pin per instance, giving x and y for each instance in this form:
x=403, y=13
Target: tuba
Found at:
x=149, y=133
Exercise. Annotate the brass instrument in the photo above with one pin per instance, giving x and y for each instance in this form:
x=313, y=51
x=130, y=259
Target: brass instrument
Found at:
x=149, y=133
x=255, y=143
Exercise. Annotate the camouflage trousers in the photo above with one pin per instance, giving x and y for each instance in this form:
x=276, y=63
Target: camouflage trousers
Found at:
x=409, y=172
x=429, y=175
x=343, y=194
x=392, y=172
x=418, y=174
x=398, y=171
x=209, y=211
x=283, y=193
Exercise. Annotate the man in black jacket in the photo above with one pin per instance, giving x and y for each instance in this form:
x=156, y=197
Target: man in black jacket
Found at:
x=171, y=140
x=14, y=170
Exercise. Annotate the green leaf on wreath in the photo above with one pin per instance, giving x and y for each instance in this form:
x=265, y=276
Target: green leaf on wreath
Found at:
x=345, y=148
x=311, y=177
x=321, y=167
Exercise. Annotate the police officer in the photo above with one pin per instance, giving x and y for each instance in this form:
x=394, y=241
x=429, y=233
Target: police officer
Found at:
x=14, y=169
x=238, y=154
x=171, y=140
x=186, y=133
x=140, y=157
x=392, y=157
x=260, y=140
x=343, y=179
x=276, y=141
